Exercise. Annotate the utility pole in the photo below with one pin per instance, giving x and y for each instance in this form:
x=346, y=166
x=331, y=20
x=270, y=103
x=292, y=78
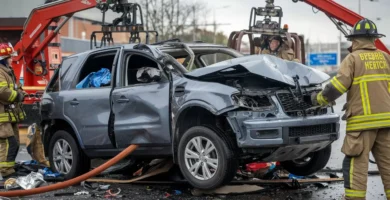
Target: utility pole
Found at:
x=194, y=24
x=339, y=50
x=147, y=14
x=215, y=30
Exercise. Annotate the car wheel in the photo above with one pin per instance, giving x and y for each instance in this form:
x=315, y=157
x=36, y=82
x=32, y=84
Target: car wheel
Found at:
x=206, y=158
x=310, y=164
x=66, y=157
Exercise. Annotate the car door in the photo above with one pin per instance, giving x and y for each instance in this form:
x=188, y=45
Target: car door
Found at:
x=141, y=110
x=89, y=108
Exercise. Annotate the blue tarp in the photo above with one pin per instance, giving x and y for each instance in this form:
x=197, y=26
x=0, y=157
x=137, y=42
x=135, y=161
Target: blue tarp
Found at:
x=96, y=79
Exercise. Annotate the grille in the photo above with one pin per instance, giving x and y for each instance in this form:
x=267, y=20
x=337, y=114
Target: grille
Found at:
x=294, y=109
x=311, y=130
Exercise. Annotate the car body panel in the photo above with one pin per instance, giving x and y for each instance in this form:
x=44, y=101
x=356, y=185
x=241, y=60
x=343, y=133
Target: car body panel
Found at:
x=144, y=118
x=90, y=115
x=150, y=116
x=265, y=66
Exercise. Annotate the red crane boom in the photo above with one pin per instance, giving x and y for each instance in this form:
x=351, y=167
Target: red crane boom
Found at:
x=343, y=14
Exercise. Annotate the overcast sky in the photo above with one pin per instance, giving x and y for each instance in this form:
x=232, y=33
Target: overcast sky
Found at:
x=299, y=16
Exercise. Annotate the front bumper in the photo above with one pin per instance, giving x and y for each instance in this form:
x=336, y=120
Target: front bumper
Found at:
x=253, y=132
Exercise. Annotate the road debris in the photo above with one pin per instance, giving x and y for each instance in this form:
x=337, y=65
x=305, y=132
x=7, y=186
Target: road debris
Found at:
x=30, y=181
x=10, y=184
x=94, y=186
x=230, y=189
x=81, y=193
x=35, y=146
x=159, y=168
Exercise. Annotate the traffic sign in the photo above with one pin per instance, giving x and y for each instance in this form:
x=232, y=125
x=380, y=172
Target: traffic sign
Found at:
x=323, y=59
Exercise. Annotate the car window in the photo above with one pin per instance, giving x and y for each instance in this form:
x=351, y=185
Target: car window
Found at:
x=96, y=71
x=210, y=59
x=141, y=70
x=54, y=85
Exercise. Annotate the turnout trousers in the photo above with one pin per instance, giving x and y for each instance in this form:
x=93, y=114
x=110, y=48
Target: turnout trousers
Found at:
x=9, y=148
x=357, y=147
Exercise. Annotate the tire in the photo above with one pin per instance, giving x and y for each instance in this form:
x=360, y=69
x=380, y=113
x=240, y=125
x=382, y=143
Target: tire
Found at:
x=226, y=165
x=318, y=161
x=79, y=162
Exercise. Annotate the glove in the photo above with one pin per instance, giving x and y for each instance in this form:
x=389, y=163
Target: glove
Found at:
x=20, y=97
x=344, y=117
x=345, y=107
x=313, y=99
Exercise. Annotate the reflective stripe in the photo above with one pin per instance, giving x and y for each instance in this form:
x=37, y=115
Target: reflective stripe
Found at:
x=351, y=172
x=367, y=99
x=362, y=96
x=5, y=117
x=7, y=164
x=13, y=95
x=369, y=76
x=388, y=87
x=368, y=125
x=321, y=100
x=367, y=118
x=340, y=87
x=4, y=84
x=6, y=149
x=355, y=193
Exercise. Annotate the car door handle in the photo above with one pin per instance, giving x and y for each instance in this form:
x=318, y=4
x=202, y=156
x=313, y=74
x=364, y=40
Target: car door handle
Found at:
x=74, y=102
x=123, y=100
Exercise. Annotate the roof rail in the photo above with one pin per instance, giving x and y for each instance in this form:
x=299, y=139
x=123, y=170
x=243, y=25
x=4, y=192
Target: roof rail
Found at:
x=165, y=41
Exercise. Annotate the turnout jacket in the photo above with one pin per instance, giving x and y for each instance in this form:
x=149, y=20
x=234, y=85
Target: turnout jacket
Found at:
x=10, y=110
x=365, y=76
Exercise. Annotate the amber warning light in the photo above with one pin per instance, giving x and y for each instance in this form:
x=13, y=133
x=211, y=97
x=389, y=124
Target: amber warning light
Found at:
x=285, y=27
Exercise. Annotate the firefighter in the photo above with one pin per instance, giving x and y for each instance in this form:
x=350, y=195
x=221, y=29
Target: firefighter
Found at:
x=279, y=48
x=365, y=76
x=11, y=98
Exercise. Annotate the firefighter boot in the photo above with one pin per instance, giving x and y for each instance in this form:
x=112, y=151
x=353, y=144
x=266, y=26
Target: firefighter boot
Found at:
x=357, y=147
x=8, y=151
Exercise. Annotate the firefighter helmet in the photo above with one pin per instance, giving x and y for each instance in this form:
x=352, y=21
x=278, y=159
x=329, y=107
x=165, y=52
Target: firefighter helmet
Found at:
x=6, y=50
x=365, y=28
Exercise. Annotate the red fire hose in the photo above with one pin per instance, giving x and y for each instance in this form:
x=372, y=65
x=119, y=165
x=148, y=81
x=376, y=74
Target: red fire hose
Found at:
x=73, y=181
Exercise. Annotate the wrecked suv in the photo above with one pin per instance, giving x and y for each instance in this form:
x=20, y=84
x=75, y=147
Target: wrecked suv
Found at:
x=210, y=119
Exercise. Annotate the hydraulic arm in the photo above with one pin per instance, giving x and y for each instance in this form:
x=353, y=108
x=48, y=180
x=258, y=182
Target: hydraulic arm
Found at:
x=344, y=15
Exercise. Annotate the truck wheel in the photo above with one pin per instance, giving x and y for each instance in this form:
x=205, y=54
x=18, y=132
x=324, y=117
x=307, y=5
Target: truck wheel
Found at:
x=66, y=157
x=206, y=158
x=310, y=164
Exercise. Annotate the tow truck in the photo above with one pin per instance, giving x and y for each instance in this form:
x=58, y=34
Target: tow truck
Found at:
x=39, y=51
x=259, y=30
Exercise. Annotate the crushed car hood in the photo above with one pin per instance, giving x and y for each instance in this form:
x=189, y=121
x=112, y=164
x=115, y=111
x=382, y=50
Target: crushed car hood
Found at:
x=266, y=66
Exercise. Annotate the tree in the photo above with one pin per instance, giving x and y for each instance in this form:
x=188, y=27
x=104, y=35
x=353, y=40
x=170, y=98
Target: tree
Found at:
x=171, y=17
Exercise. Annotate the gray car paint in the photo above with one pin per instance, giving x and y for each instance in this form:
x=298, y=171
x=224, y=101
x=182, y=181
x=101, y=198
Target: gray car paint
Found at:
x=215, y=97
x=265, y=66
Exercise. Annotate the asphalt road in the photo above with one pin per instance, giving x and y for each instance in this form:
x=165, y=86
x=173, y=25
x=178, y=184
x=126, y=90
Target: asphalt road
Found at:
x=332, y=191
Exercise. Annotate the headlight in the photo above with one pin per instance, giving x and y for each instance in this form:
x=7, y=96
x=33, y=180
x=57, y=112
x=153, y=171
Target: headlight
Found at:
x=254, y=102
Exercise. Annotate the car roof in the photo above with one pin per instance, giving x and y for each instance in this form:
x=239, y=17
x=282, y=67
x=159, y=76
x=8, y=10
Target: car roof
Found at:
x=151, y=46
